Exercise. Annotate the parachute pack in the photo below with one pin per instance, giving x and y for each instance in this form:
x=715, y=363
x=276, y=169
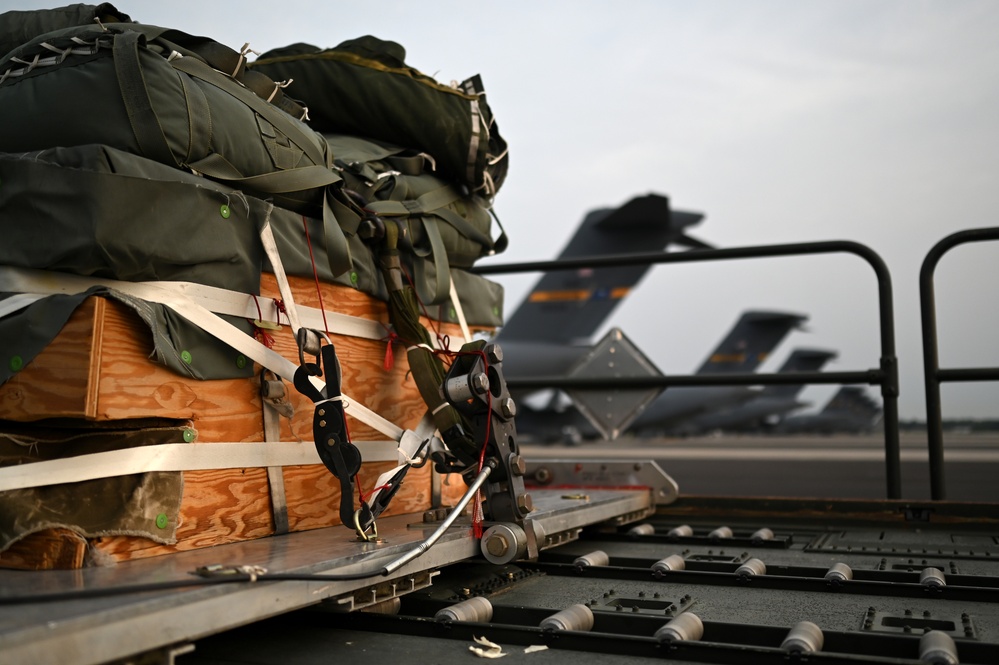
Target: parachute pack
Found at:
x=187, y=186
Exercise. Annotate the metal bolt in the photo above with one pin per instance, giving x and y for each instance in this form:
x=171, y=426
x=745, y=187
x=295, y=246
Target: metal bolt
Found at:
x=494, y=354
x=497, y=545
x=543, y=475
x=518, y=466
x=509, y=408
x=479, y=382
x=525, y=503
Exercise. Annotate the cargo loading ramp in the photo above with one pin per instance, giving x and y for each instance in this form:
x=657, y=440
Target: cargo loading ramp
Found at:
x=100, y=629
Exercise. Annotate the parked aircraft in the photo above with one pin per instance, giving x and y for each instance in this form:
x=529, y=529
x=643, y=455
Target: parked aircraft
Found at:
x=851, y=411
x=769, y=405
x=748, y=344
x=553, y=327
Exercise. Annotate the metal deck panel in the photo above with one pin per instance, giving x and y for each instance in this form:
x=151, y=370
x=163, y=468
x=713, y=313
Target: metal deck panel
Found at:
x=97, y=630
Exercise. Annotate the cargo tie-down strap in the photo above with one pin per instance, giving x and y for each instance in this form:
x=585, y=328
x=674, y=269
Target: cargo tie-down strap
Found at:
x=201, y=305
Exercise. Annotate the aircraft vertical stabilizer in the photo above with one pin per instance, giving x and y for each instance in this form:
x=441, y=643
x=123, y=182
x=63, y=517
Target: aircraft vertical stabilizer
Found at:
x=750, y=342
x=568, y=306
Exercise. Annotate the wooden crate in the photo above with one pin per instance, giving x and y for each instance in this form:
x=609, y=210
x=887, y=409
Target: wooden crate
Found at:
x=97, y=371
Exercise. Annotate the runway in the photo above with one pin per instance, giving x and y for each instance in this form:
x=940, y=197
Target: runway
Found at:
x=805, y=466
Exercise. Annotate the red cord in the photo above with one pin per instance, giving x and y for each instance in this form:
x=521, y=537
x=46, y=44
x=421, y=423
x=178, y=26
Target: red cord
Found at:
x=389, y=361
x=258, y=332
x=315, y=273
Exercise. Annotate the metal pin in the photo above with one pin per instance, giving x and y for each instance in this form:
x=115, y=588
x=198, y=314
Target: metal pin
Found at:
x=574, y=617
x=642, y=530
x=687, y=627
x=932, y=577
x=595, y=558
x=839, y=573
x=938, y=648
x=672, y=562
x=751, y=568
x=805, y=637
x=477, y=609
x=720, y=533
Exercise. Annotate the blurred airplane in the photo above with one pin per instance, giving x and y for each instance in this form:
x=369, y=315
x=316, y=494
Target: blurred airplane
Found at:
x=769, y=405
x=549, y=332
x=851, y=411
x=748, y=343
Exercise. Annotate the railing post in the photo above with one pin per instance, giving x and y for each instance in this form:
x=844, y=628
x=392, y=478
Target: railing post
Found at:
x=889, y=363
x=931, y=359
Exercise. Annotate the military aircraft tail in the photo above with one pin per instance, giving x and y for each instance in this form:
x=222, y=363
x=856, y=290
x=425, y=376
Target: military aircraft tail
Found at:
x=851, y=410
x=750, y=342
x=800, y=360
x=855, y=401
x=569, y=306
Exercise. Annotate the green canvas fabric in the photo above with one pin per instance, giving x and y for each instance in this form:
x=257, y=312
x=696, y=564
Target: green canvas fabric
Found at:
x=439, y=222
x=175, y=342
x=146, y=505
x=20, y=26
x=363, y=87
x=138, y=89
x=98, y=211
x=95, y=210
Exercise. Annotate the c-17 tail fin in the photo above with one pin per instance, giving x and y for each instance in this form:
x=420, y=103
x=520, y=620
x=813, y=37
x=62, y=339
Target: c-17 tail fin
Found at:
x=853, y=400
x=569, y=306
x=800, y=360
x=749, y=343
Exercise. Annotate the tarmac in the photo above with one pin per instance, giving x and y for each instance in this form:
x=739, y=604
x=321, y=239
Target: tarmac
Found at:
x=817, y=466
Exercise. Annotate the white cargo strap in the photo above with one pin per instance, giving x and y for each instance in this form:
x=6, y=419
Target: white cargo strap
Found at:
x=17, y=302
x=32, y=285
x=175, y=457
x=199, y=316
x=270, y=248
x=275, y=475
x=456, y=301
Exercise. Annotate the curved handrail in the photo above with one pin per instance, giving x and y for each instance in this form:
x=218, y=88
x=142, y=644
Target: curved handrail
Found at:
x=886, y=375
x=932, y=374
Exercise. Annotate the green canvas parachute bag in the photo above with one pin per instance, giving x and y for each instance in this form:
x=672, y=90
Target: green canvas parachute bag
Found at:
x=152, y=92
x=441, y=224
x=363, y=87
x=20, y=26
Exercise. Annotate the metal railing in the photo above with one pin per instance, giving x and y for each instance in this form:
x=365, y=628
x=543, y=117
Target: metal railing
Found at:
x=933, y=375
x=886, y=375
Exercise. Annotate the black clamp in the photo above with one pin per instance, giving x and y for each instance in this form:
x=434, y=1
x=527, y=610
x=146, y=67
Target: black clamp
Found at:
x=329, y=427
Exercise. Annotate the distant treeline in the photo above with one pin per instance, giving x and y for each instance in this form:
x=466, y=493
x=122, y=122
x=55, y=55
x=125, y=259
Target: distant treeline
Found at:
x=954, y=425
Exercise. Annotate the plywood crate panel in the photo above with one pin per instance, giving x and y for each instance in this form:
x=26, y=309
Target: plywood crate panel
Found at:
x=98, y=371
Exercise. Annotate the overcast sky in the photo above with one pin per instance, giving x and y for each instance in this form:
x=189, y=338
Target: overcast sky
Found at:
x=782, y=121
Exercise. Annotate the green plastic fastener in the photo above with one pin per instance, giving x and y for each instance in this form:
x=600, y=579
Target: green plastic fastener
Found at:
x=189, y=435
x=240, y=362
x=16, y=363
x=186, y=357
x=353, y=278
x=453, y=313
x=224, y=211
x=495, y=311
x=162, y=520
